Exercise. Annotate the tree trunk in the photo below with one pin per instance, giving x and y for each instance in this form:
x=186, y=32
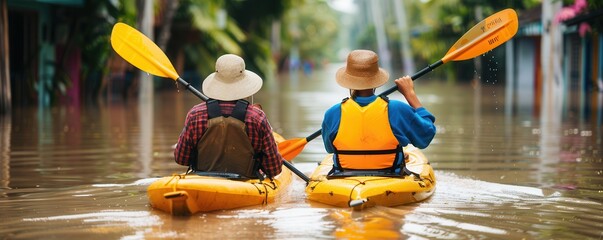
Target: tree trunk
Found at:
x=166, y=26
x=5, y=90
x=377, y=14
x=407, y=60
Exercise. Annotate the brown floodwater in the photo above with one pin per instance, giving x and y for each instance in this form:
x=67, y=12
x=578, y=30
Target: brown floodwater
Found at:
x=505, y=169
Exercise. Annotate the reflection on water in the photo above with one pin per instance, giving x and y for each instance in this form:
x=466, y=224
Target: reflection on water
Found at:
x=503, y=173
x=146, y=138
x=5, y=126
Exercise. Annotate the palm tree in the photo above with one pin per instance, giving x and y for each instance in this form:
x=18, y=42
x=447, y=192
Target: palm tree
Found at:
x=206, y=29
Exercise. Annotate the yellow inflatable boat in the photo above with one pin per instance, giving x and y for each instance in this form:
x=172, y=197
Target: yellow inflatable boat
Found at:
x=183, y=194
x=368, y=188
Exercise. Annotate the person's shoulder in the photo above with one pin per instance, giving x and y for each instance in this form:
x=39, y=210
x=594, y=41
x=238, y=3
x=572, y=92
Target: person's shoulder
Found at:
x=255, y=112
x=335, y=107
x=332, y=113
x=393, y=103
x=197, y=113
x=201, y=107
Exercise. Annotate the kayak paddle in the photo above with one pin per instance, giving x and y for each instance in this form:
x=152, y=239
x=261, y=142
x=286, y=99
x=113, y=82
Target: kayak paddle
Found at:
x=481, y=38
x=140, y=51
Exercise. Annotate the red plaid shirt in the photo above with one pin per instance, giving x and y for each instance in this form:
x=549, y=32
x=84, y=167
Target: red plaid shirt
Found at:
x=257, y=127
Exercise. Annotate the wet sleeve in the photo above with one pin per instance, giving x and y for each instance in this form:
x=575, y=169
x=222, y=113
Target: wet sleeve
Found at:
x=186, y=151
x=414, y=126
x=330, y=125
x=273, y=161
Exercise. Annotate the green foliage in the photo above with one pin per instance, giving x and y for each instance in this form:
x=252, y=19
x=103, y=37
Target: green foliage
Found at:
x=448, y=20
x=257, y=15
x=89, y=30
x=366, y=38
x=220, y=27
x=204, y=19
x=127, y=12
x=595, y=4
x=596, y=23
x=96, y=21
x=312, y=27
x=259, y=55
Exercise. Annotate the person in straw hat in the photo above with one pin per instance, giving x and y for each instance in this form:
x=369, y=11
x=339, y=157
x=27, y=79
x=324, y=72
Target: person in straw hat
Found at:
x=227, y=135
x=367, y=132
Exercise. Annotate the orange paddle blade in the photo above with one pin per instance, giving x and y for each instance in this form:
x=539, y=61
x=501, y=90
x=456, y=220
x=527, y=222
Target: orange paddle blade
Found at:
x=140, y=51
x=289, y=149
x=484, y=36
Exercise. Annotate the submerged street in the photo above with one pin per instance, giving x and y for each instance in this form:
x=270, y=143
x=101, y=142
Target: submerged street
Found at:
x=503, y=169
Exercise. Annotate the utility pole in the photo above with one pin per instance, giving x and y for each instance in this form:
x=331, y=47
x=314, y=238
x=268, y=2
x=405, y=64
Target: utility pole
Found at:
x=552, y=86
x=551, y=47
x=145, y=25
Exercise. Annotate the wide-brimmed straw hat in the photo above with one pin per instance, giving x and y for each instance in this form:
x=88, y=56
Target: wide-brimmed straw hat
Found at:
x=362, y=71
x=231, y=81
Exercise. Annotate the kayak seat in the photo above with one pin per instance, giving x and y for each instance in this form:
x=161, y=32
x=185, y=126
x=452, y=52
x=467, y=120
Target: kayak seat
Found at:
x=232, y=176
x=363, y=173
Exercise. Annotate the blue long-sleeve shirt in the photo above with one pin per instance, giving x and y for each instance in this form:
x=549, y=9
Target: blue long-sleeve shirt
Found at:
x=409, y=125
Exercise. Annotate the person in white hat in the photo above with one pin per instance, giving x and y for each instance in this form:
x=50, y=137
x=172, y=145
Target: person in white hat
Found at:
x=367, y=132
x=227, y=135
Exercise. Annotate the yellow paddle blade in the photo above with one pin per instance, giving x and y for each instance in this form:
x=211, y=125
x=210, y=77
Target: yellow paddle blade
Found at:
x=484, y=36
x=140, y=51
x=289, y=149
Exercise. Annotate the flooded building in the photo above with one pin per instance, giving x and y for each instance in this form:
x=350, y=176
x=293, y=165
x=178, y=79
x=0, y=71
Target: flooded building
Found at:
x=581, y=64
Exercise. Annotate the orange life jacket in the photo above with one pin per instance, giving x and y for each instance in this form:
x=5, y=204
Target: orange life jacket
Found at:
x=365, y=140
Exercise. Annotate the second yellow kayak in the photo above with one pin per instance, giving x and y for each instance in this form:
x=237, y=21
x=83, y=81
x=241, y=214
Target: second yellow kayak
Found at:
x=366, y=191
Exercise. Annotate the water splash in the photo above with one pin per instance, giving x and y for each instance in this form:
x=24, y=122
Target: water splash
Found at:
x=140, y=182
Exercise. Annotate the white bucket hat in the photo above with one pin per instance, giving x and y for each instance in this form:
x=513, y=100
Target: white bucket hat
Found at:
x=231, y=81
x=362, y=71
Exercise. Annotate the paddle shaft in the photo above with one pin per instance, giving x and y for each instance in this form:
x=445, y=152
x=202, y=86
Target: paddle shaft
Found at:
x=423, y=71
x=205, y=98
x=192, y=89
x=296, y=171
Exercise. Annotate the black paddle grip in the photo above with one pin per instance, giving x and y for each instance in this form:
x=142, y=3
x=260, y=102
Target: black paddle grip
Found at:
x=314, y=135
x=192, y=89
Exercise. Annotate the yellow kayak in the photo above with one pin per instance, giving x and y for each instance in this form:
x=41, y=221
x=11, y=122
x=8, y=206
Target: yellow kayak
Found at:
x=373, y=189
x=183, y=194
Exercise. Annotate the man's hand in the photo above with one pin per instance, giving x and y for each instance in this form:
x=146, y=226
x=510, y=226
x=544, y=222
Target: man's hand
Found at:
x=407, y=88
x=405, y=85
